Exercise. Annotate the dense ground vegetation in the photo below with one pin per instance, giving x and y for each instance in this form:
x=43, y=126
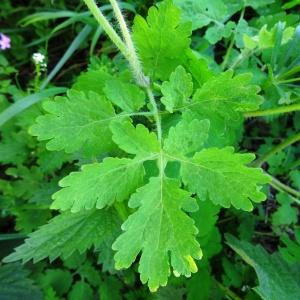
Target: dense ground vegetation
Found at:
x=156, y=162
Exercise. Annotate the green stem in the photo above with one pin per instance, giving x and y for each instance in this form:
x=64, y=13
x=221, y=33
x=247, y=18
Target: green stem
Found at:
x=228, y=292
x=229, y=49
x=289, y=141
x=107, y=27
x=245, y=54
x=289, y=80
x=279, y=186
x=121, y=210
x=141, y=79
x=273, y=111
x=134, y=62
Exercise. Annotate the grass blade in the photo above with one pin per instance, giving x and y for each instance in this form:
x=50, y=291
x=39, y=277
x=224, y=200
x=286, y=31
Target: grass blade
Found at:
x=26, y=102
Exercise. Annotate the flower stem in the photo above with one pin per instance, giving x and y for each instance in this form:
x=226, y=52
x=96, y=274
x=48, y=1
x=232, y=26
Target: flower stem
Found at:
x=273, y=111
x=107, y=27
x=289, y=141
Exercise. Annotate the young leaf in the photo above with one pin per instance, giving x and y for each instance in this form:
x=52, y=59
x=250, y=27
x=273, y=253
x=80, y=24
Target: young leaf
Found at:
x=127, y=96
x=76, y=122
x=161, y=39
x=134, y=140
x=99, y=184
x=159, y=228
x=223, y=177
x=65, y=234
x=177, y=90
x=188, y=136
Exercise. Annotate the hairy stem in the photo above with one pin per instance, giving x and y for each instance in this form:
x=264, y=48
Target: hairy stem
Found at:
x=91, y=4
x=273, y=111
x=132, y=55
x=141, y=79
x=289, y=141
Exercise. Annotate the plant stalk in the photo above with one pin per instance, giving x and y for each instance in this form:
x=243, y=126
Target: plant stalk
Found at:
x=133, y=59
x=278, y=185
x=289, y=141
x=91, y=4
x=273, y=111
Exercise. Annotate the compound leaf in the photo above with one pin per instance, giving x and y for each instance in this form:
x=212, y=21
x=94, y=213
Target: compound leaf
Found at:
x=159, y=228
x=65, y=234
x=99, y=184
x=161, y=39
x=134, y=140
x=177, y=90
x=223, y=177
x=76, y=122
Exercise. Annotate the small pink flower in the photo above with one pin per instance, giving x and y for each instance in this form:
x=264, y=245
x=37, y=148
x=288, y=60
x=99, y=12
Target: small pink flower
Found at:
x=4, y=41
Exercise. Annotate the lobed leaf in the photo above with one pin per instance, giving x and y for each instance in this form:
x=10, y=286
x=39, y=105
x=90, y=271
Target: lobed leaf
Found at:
x=76, y=122
x=134, y=140
x=177, y=90
x=99, y=184
x=161, y=231
x=223, y=177
x=161, y=39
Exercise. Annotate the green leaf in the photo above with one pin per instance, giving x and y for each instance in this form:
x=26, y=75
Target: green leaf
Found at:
x=65, y=234
x=222, y=176
x=285, y=213
x=202, y=13
x=277, y=279
x=209, y=236
x=59, y=280
x=177, y=90
x=160, y=229
x=236, y=92
x=99, y=184
x=291, y=251
x=216, y=33
x=76, y=122
x=134, y=140
x=81, y=291
x=110, y=289
x=127, y=96
x=188, y=136
x=15, y=285
x=161, y=39
x=93, y=80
